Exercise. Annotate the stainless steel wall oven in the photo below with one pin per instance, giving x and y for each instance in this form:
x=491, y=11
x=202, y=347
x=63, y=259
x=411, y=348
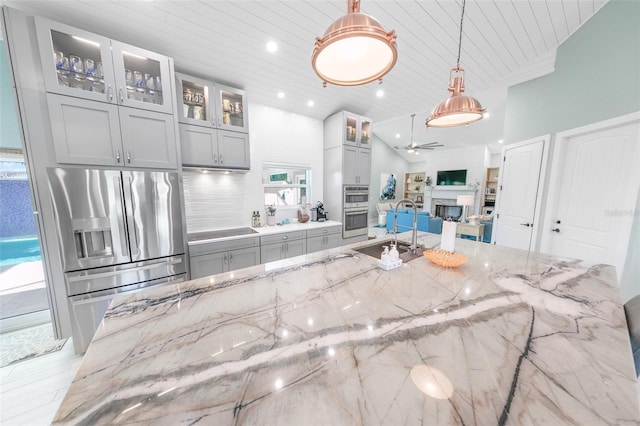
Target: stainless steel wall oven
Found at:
x=355, y=197
x=354, y=222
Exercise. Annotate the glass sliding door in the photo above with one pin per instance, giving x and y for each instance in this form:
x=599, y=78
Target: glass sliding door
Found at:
x=23, y=295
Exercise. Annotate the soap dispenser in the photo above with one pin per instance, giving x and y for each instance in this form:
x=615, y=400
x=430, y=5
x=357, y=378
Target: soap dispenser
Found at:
x=393, y=254
x=384, y=257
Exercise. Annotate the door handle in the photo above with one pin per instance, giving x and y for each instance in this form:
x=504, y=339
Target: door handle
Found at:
x=526, y=224
x=556, y=230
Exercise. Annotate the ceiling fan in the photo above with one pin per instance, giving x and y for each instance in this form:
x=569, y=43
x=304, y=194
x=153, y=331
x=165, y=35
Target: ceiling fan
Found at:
x=414, y=147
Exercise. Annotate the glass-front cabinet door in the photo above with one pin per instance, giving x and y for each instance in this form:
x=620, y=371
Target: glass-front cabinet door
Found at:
x=231, y=106
x=194, y=97
x=75, y=62
x=357, y=130
x=364, y=132
x=142, y=78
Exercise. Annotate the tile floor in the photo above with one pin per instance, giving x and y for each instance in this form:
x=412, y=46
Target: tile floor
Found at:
x=31, y=391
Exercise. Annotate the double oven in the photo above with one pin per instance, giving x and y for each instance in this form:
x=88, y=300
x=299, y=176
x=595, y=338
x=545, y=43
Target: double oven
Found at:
x=355, y=214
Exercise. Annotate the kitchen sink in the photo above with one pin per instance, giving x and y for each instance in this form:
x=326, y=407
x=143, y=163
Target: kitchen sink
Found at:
x=375, y=250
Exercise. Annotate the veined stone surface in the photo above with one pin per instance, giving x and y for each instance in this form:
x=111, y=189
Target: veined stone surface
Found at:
x=329, y=338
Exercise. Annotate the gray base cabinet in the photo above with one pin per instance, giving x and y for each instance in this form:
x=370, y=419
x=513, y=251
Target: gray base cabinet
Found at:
x=214, y=258
x=356, y=167
x=216, y=263
x=323, y=238
x=282, y=246
x=208, y=147
x=98, y=133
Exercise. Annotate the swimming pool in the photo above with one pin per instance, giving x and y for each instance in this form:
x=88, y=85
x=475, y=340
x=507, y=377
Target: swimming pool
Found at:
x=18, y=250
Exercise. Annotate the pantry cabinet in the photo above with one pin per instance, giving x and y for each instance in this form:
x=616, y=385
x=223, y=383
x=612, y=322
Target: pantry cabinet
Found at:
x=356, y=165
x=110, y=103
x=97, y=133
x=208, y=147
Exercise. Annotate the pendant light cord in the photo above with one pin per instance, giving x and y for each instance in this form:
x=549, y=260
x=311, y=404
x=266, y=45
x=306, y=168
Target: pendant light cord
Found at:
x=460, y=39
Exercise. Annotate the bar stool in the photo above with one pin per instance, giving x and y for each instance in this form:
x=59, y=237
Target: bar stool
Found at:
x=632, y=312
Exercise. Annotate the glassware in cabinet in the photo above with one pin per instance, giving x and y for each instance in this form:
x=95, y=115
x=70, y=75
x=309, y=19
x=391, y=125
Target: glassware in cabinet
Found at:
x=82, y=64
x=142, y=77
x=232, y=108
x=193, y=98
x=75, y=62
x=357, y=130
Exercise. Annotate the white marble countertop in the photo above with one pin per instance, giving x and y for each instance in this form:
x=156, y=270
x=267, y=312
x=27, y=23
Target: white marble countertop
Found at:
x=268, y=230
x=328, y=338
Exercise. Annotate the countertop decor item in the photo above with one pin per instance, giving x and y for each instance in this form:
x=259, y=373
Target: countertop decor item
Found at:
x=447, y=259
x=358, y=34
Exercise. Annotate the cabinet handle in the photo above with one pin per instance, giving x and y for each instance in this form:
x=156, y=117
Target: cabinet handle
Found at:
x=128, y=157
x=118, y=155
x=213, y=120
x=121, y=96
x=285, y=237
x=110, y=93
x=230, y=257
x=215, y=158
x=221, y=159
x=324, y=231
x=224, y=260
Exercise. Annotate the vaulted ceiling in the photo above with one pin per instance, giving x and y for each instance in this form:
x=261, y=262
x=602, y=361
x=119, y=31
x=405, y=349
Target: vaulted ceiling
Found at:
x=504, y=41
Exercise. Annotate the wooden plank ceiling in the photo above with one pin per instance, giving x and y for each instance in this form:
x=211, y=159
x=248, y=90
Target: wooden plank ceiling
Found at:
x=504, y=41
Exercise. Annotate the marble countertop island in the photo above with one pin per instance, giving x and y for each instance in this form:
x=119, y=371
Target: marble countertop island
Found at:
x=329, y=339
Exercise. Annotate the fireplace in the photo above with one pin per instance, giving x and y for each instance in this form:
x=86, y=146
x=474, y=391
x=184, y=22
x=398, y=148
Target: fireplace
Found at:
x=446, y=208
x=448, y=212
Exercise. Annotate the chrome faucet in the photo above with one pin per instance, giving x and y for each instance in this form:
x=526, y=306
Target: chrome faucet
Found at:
x=414, y=234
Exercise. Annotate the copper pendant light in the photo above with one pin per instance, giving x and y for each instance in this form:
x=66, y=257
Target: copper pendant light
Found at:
x=355, y=50
x=458, y=110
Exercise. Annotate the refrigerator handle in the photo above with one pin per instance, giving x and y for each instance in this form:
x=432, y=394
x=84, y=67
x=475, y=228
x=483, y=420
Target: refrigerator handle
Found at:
x=120, y=214
x=131, y=223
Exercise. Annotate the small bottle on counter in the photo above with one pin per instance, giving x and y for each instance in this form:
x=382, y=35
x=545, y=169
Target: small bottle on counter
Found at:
x=255, y=218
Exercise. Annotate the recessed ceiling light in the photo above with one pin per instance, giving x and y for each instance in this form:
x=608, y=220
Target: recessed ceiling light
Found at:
x=397, y=135
x=500, y=141
x=486, y=115
x=310, y=104
x=281, y=95
x=272, y=47
x=380, y=93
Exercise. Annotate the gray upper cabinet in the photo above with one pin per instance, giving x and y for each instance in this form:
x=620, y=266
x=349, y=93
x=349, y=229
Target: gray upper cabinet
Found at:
x=110, y=104
x=82, y=64
x=356, y=165
x=207, y=147
x=214, y=128
x=208, y=104
x=356, y=130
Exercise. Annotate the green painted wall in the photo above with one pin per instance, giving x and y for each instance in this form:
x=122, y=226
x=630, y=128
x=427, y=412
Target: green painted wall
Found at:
x=596, y=77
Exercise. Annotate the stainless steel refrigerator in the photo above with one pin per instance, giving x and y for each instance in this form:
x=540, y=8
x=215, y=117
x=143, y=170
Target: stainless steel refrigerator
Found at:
x=119, y=231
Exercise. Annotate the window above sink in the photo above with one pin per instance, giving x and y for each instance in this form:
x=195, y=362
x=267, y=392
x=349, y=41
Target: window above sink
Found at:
x=286, y=185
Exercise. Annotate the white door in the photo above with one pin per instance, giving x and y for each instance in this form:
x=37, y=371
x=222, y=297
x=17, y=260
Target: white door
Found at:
x=598, y=184
x=518, y=194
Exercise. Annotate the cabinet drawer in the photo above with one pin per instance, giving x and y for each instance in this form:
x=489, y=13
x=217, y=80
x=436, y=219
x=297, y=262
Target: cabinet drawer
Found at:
x=335, y=229
x=284, y=236
x=214, y=247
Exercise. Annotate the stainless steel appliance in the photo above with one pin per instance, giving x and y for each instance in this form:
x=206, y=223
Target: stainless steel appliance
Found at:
x=318, y=213
x=354, y=222
x=119, y=231
x=355, y=196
